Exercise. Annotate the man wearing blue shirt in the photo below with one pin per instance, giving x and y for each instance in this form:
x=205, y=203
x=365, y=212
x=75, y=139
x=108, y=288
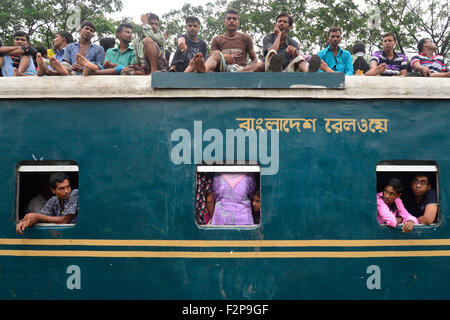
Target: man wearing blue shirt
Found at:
x=116, y=59
x=17, y=60
x=7, y=63
x=93, y=52
x=334, y=58
x=60, y=42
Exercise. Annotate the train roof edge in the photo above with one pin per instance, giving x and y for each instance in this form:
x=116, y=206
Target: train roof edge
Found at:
x=355, y=87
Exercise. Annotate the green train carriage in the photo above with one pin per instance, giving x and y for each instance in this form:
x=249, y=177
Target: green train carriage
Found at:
x=320, y=146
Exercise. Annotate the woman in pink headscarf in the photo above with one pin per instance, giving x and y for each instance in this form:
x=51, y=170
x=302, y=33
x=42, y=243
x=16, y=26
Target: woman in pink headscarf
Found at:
x=232, y=202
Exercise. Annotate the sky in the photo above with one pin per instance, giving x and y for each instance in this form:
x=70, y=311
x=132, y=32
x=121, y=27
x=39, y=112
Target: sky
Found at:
x=134, y=8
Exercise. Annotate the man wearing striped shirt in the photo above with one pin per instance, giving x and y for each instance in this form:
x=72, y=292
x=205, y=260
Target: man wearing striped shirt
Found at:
x=427, y=62
x=388, y=62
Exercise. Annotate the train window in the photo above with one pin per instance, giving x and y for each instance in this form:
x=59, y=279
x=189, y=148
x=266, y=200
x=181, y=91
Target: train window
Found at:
x=420, y=182
x=35, y=195
x=228, y=196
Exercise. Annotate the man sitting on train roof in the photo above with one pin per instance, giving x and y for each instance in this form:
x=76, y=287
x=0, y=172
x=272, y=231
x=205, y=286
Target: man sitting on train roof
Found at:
x=149, y=52
x=334, y=58
x=421, y=201
x=60, y=42
x=427, y=62
x=390, y=209
x=189, y=44
x=115, y=58
x=62, y=208
x=388, y=62
x=282, y=53
x=17, y=60
x=229, y=51
x=93, y=52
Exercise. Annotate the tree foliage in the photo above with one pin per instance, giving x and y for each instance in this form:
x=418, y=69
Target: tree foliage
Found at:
x=364, y=20
x=41, y=19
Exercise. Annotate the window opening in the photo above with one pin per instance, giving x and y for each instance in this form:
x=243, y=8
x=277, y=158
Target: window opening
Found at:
x=228, y=196
x=33, y=190
x=420, y=194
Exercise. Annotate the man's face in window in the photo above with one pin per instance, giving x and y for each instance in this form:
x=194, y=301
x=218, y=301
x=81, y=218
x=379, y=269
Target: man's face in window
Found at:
x=389, y=195
x=62, y=190
x=420, y=186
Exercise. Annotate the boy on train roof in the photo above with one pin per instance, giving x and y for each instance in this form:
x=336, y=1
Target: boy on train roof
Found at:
x=188, y=45
x=62, y=208
x=390, y=209
x=17, y=60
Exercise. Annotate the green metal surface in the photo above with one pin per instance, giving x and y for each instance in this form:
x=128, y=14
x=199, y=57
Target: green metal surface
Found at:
x=130, y=189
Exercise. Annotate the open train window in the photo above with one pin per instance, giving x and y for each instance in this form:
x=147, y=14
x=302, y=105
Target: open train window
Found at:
x=228, y=196
x=420, y=181
x=33, y=190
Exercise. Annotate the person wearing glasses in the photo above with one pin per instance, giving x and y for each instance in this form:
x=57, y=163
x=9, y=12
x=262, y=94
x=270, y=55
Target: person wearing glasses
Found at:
x=390, y=209
x=421, y=200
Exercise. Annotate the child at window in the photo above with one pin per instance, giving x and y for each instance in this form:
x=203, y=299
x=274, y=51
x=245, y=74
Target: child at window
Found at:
x=390, y=209
x=256, y=207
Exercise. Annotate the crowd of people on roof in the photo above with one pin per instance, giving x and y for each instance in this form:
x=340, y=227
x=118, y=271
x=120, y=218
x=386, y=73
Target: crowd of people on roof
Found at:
x=232, y=51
